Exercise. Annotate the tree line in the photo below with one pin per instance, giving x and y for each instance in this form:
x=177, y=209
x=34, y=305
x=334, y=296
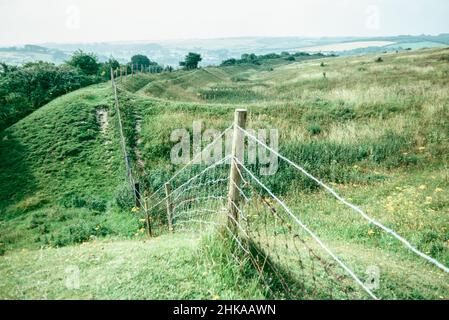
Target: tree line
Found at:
x=25, y=88
x=251, y=58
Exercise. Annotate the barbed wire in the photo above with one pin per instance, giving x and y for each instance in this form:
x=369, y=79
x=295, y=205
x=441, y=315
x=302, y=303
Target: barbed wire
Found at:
x=350, y=205
x=266, y=231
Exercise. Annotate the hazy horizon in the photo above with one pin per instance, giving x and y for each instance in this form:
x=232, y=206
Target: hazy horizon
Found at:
x=83, y=21
x=168, y=40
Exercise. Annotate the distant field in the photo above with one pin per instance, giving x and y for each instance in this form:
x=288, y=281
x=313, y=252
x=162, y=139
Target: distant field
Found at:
x=346, y=46
x=418, y=45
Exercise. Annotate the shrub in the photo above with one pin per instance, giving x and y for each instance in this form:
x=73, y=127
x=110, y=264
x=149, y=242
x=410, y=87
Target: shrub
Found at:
x=26, y=88
x=238, y=79
x=379, y=59
x=77, y=232
x=86, y=62
x=74, y=200
x=124, y=197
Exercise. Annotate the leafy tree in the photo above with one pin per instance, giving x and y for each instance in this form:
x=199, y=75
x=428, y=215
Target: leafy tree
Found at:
x=269, y=56
x=229, y=62
x=86, y=62
x=191, y=61
x=251, y=58
x=140, y=59
x=106, y=68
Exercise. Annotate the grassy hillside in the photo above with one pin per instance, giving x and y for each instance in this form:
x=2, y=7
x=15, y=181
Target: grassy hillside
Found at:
x=376, y=131
x=59, y=172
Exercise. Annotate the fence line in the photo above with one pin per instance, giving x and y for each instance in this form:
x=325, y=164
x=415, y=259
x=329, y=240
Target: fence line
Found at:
x=312, y=234
x=194, y=202
x=122, y=136
x=195, y=158
x=350, y=205
x=139, y=198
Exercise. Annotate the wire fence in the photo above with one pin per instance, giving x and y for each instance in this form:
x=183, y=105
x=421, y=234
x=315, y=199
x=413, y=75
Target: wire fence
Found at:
x=139, y=197
x=292, y=260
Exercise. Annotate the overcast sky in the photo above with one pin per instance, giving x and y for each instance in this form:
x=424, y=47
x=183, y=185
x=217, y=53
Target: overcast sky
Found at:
x=32, y=21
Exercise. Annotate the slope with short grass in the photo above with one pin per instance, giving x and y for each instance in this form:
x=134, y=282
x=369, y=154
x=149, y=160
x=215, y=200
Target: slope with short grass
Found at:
x=167, y=267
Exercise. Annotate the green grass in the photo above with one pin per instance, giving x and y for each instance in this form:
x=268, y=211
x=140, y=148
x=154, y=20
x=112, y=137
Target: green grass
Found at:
x=377, y=132
x=168, y=267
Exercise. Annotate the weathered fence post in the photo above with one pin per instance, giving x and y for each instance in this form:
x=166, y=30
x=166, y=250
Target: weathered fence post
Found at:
x=112, y=78
x=137, y=194
x=234, y=175
x=147, y=218
x=169, y=206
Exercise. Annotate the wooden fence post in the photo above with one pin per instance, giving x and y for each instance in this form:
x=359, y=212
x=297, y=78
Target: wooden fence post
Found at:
x=112, y=78
x=137, y=194
x=234, y=175
x=147, y=219
x=169, y=206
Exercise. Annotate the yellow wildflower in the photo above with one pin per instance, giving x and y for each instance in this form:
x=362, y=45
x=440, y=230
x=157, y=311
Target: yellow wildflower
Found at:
x=422, y=148
x=215, y=297
x=438, y=190
x=370, y=232
x=428, y=199
x=135, y=209
x=422, y=187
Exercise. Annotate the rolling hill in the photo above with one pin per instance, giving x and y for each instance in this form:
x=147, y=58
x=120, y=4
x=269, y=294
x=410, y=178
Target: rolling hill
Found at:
x=376, y=129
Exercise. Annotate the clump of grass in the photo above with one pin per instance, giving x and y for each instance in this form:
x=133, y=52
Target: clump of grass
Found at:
x=220, y=251
x=75, y=200
x=379, y=59
x=238, y=78
x=314, y=129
